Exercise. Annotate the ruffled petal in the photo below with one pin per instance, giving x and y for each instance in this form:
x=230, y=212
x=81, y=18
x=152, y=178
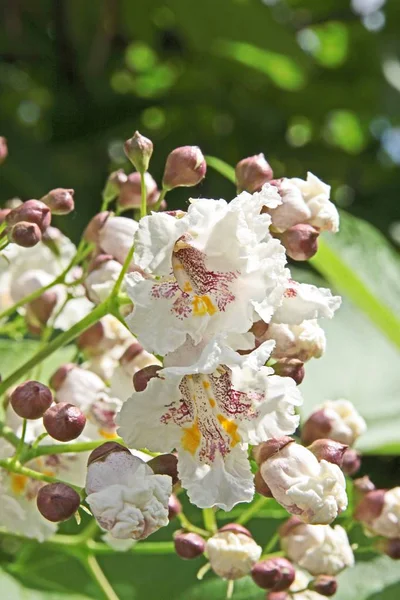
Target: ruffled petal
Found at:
x=302, y=302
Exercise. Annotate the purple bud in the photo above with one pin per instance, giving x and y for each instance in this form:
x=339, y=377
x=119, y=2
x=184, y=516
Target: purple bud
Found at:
x=141, y=378
x=25, y=234
x=92, y=231
x=189, y=545
x=363, y=485
x=261, y=487
x=326, y=585
x=259, y=329
x=3, y=149
x=58, y=378
x=252, y=172
x=60, y=201
x=131, y=353
x=300, y=241
x=31, y=399
x=185, y=167
x=328, y=450
x=92, y=337
x=31, y=211
x=275, y=574
x=370, y=507
x=42, y=308
x=351, y=462
x=57, y=502
x=290, y=367
x=101, y=452
x=174, y=507
x=139, y=150
x=130, y=193
x=267, y=449
x=391, y=547
x=64, y=422
x=113, y=185
x=235, y=528
x=165, y=464
x=317, y=426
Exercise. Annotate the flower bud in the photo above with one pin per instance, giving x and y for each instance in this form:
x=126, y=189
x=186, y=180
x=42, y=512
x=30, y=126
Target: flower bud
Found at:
x=380, y=511
x=278, y=596
x=58, y=378
x=31, y=399
x=337, y=420
x=275, y=574
x=293, y=209
x=92, y=337
x=139, y=150
x=3, y=149
x=42, y=308
x=235, y=528
x=252, y=172
x=103, y=272
x=32, y=211
x=116, y=237
x=64, y=422
x=3, y=214
x=261, y=487
x=165, y=464
x=303, y=341
x=77, y=386
x=259, y=329
x=390, y=547
x=290, y=367
x=60, y=201
x=102, y=452
x=57, y=502
x=326, y=585
x=232, y=555
x=267, y=449
x=189, y=545
x=174, y=507
x=25, y=234
x=300, y=241
x=363, y=485
x=351, y=462
x=113, y=185
x=92, y=231
x=185, y=167
x=328, y=450
x=130, y=193
x=142, y=377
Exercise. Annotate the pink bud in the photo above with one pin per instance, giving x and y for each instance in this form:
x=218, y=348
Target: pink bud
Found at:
x=25, y=234
x=113, y=185
x=267, y=449
x=300, y=241
x=185, y=167
x=31, y=399
x=57, y=502
x=58, y=378
x=252, y=172
x=130, y=193
x=42, y=308
x=328, y=450
x=165, y=464
x=139, y=150
x=189, y=545
x=92, y=231
x=363, y=485
x=99, y=261
x=261, y=487
x=370, y=507
x=317, y=426
x=3, y=214
x=174, y=507
x=64, y=422
x=141, y=378
x=259, y=329
x=101, y=452
x=60, y=201
x=326, y=585
x=390, y=547
x=351, y=462
x=275, y=574
x=290, y=367
x=3, y=149
x=92, y=337
x=288, y=526
x=31, y=211
x=235, y=528
x=131, y=353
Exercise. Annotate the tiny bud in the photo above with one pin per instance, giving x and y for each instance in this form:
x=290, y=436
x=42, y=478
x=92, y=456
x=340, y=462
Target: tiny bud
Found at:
x=101, y=452
x=351, y=462
x=57, y=502
x=130, y=193
x=113, y=185
x=58, y=378
x=31, y=399
x=259, y=329
x=141, y=378
x=189, y=545
x=277, y=574
x=236, y=528
x=41, y=308
x=131, y=353
x=317, y=426
x=25, y=234
x=92, y=337
x=328, y=450
x=370, y=507
x=261, y=487
x=185, y=167
x=32, y=211
x=165, y=464
x=174, y=507
x=64, y=422
x=3, y=149
x=60, y=201
x=267, y=449
x=391, y=547
x=326, y=585
x=290, y=367
x=252, y=172
x=139, y=150
x=363, y=485
x=300, y=241
x=92, y=231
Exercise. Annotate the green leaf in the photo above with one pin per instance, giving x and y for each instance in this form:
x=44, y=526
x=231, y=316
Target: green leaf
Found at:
x=11, y=589
x=376, y=579
x=215, y=589
x=221, y=167
x=344, y=130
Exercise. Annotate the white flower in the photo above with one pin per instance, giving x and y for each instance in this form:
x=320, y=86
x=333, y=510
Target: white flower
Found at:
x=209, y=408
x=232, y=555
x=387, y=523
x=319, y=549
x=304, y=341
x=215, y=269
x=292, y=210
x=116, y=236
x=314, y=491
x=337, y=420
x=126, y=497
x=121, y=384
x=316, y=193
x=304, y=302
x=101, y=280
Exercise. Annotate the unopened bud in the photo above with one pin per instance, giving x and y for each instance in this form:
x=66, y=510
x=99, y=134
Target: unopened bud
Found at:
x=113, y=185
x=290, y=367
x=130, y=193
x=189, y=545
x=101, y=452
x=337, y=420
x=261, y=487
x=57, y=502
x=31, y=399
x=235, y=528
x=58, y=378
x=141, y=378
x=165, y=464
x=60, y=201
x=275, y=574
x=351, y=462
x=363, y=485
x=3, y=214
x=252, y=172
x=92, y=231
x=139, y=150
x=174, y=507
x=131, y=353
x=300, y=241
x=185, y=167
x=64, y=422
x=370, y=507
x=92, y=337
x=267, y=449
x=25, y=234
x=326, y=585
x=390, y=547
x=32, y=211
x=3, y=149
x=288, y=526
x=259, y=329
x=328, y=450
x=42, y=308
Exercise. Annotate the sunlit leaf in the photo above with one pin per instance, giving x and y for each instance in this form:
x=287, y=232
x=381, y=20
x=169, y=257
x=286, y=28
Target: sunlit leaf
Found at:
x=344, y=130
x=333, y=44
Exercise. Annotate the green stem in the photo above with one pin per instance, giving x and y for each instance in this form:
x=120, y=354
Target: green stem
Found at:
x=21, y=443
x=17, y=468
x=8, y=434
x=186, y=524
x=143, y=190
x=139, y=548
x=271, y=544
x=210, y=522
x=161, y=197
x=252, y=510
x=98, y=576
x=72, y=447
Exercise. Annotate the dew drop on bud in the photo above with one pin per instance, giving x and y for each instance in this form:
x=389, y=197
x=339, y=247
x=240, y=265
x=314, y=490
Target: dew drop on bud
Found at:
x=189, y=545
x=185, y=167
x=25, y=234
x=57, y=502
x=31, y=399
x=64, y=422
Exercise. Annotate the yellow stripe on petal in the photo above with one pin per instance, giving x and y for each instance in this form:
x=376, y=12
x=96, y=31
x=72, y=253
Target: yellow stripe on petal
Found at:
x=231, y=429
x=191, y=438
x=18, y=483
x=108, y=435
x=203, y=305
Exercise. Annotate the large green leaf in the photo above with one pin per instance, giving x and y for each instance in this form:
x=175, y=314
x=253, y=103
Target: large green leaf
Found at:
x=376, y=579
x=11, y=589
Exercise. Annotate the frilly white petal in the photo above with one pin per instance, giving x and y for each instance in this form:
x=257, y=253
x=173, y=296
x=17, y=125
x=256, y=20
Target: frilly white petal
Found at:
x=302, y=302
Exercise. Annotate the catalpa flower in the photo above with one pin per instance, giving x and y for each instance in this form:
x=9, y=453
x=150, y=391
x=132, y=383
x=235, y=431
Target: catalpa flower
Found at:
x=212, y=270
x=209, y=408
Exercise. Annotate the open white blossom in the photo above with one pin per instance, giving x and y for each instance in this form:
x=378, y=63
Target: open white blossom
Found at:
x=319, y=549
x=116, y=236
x=314, y=491
x=304, y=341
x=337, y=420
x=209, y=403
x=126, y=497
x=387, y=523
x=101, y=280
x=232, y=555
x=304, y=302
x=213, y=270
